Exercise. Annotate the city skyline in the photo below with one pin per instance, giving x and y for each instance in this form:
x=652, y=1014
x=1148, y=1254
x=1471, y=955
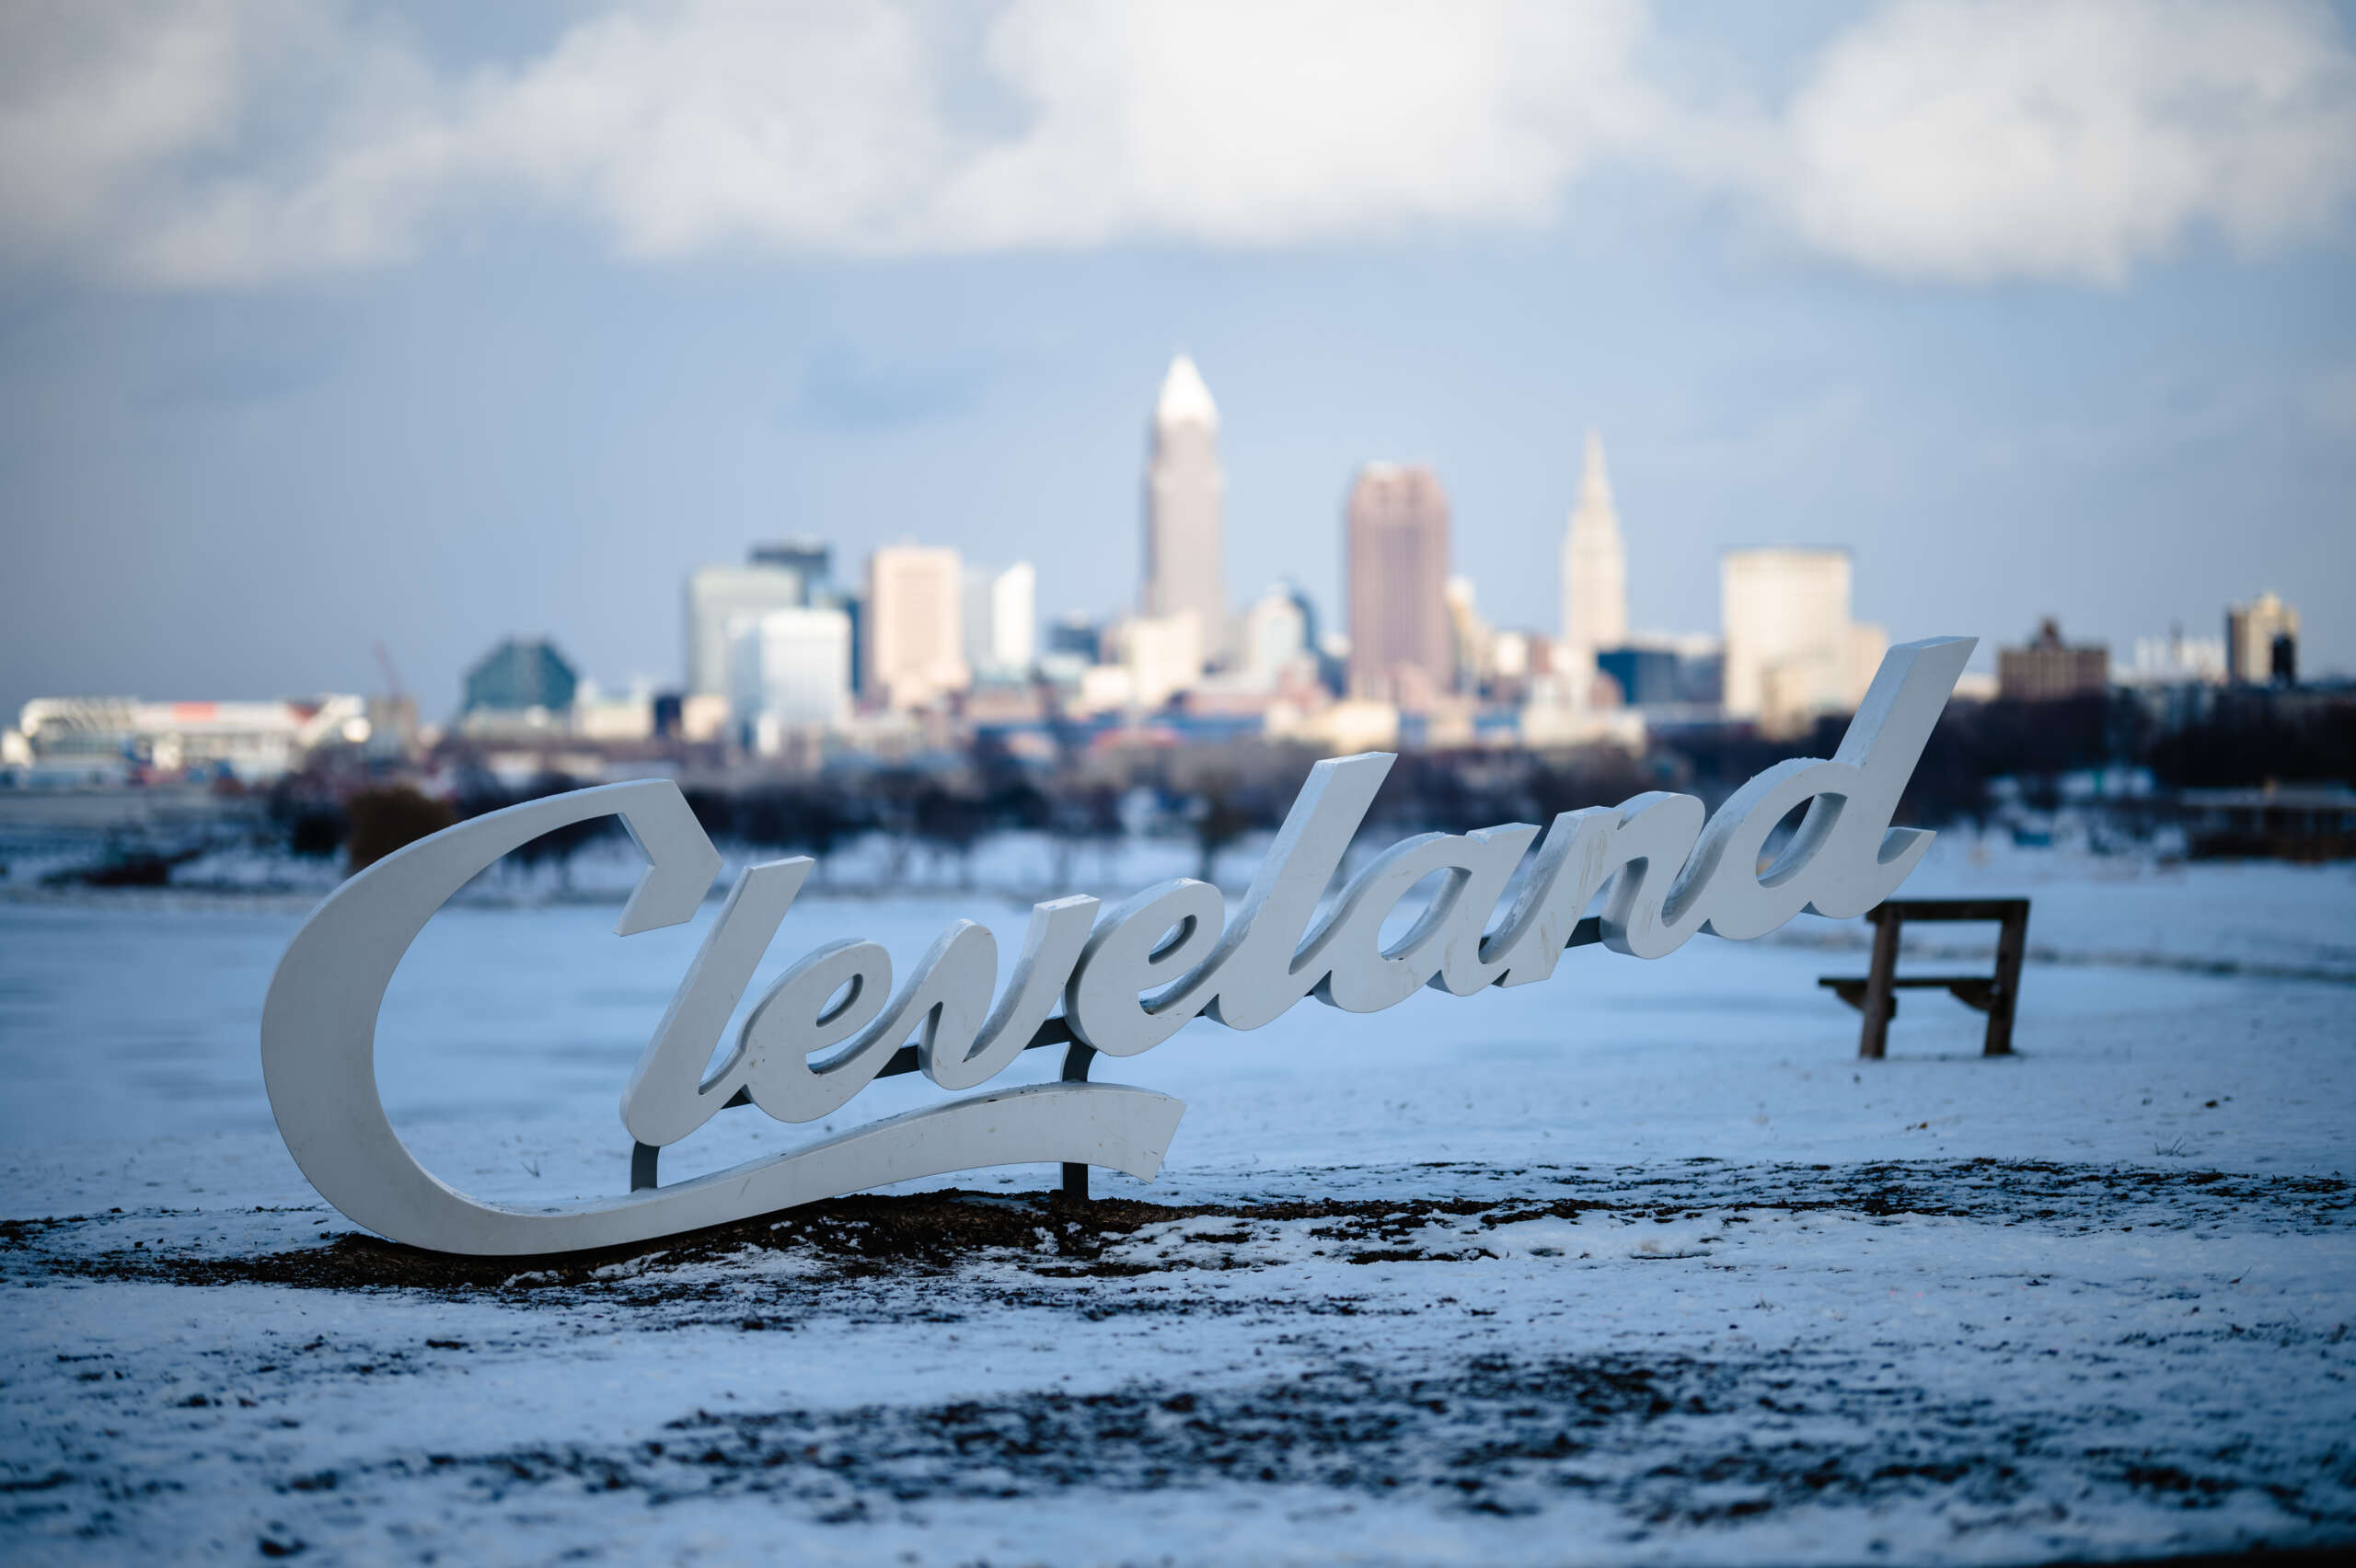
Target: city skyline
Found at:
x=775, y=646
x=2052, y=401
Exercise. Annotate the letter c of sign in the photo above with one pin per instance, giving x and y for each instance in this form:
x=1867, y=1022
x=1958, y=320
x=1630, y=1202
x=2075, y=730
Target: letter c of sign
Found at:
x=318, y=1054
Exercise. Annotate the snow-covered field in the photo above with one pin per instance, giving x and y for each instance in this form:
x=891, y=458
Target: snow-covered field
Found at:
x=1639, y=1265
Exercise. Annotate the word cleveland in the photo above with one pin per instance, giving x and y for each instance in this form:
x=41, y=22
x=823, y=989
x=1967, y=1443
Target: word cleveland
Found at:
x=1124, y=979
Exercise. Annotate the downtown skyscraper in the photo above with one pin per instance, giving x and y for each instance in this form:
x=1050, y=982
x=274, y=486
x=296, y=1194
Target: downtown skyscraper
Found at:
x=1595, y=566
x=1185, y=564
x=1397, y=548
x=916, y=627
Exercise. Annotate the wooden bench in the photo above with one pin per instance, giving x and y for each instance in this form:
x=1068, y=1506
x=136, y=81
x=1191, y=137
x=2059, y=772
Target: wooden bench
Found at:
x=1875, y=994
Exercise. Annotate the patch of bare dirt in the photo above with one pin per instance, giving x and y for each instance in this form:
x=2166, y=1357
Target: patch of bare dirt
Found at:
x=932, y=1232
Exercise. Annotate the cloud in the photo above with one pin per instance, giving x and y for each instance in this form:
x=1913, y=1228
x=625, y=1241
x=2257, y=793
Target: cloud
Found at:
x=92, y=101
x=2066, y=138
x=1236, y=123
x=219, y=140
x=1956, y=140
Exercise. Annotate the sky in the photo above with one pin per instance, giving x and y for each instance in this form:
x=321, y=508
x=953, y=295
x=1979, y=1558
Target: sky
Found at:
x=326, y=326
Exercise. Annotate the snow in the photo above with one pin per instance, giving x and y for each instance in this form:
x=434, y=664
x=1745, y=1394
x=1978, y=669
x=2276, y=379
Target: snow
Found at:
x=1638, y=1264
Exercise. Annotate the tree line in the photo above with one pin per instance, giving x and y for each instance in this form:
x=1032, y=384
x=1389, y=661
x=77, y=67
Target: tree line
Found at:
x=1221, y=795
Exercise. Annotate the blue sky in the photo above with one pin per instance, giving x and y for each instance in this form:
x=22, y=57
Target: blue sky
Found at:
x=385, y=326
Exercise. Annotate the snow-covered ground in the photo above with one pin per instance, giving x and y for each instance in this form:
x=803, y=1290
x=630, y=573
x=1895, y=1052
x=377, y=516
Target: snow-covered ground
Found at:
x=1638, y=1264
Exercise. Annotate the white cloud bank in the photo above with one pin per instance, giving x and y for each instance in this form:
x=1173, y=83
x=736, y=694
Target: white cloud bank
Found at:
x=235, y=140
x=2058, y=140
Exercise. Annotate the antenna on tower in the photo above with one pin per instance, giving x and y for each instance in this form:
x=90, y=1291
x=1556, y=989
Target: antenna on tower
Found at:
x=384, y=662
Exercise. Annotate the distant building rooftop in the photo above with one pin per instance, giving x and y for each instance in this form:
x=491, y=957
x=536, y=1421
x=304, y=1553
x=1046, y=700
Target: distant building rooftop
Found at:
x=522, y=673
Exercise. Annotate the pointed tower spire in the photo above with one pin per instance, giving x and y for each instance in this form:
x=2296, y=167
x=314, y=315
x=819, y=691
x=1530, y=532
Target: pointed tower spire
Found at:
x=1595, y=564
x=1595, y=479
x=1184, y=398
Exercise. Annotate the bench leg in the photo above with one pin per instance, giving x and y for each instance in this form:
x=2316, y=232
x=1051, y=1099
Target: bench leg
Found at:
x=1874, y=1038
x=2012, y=946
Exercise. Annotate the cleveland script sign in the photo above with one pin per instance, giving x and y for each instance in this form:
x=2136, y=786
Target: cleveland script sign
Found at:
x=1124, y=978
